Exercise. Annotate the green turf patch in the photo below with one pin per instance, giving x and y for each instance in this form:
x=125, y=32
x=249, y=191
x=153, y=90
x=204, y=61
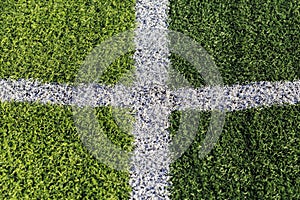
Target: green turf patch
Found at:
x=42, y=156
x=258, y=152
x=48, y=41
x=257, y=157
x=249, y=40
x=41, y=153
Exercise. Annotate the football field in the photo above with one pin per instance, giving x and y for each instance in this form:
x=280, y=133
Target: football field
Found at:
x=255, y=48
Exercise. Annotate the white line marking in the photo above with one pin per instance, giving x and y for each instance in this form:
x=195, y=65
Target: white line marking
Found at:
x=149, y=177
x=150, y=163
x=240, y=97
x=235, y=97
x=149, y=174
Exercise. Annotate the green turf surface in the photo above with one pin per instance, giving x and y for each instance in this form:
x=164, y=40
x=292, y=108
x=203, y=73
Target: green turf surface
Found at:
x=257, y=157
x=41, y=154
x=258, y=153
x=48, y=41
x=250, y=40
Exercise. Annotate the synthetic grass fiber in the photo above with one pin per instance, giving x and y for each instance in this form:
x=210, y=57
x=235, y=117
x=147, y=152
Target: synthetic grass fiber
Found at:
x=257, y=157
x=48, y=41
x=249, y=40
x=258, y=153
x=41, y=154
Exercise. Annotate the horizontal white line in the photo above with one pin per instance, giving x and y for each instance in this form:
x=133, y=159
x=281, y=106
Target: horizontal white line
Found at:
x=239, y=97
x=149, y=172
x=236, y=97
x=32, y=91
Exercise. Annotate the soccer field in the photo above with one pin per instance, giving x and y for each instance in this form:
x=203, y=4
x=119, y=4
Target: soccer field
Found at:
x=257, y=154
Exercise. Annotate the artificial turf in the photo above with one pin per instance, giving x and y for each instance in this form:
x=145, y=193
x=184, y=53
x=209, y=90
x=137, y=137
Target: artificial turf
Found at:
x=41, y=153
x=49, y=41
x=249, y=40
x=257, y=155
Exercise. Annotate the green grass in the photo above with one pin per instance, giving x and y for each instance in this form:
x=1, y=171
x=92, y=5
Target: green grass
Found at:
x=41, y=154
x=249, y=40
x=258, y=153
x=48, y=41
x=257, y=157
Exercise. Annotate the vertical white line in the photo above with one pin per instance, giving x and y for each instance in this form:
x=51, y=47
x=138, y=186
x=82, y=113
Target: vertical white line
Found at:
x=151, y=56
x=150, y=164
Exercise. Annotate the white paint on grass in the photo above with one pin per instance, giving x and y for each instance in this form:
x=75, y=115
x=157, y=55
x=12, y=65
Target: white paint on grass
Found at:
x=235, y=97
x=149, y=172
x=240, y=97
